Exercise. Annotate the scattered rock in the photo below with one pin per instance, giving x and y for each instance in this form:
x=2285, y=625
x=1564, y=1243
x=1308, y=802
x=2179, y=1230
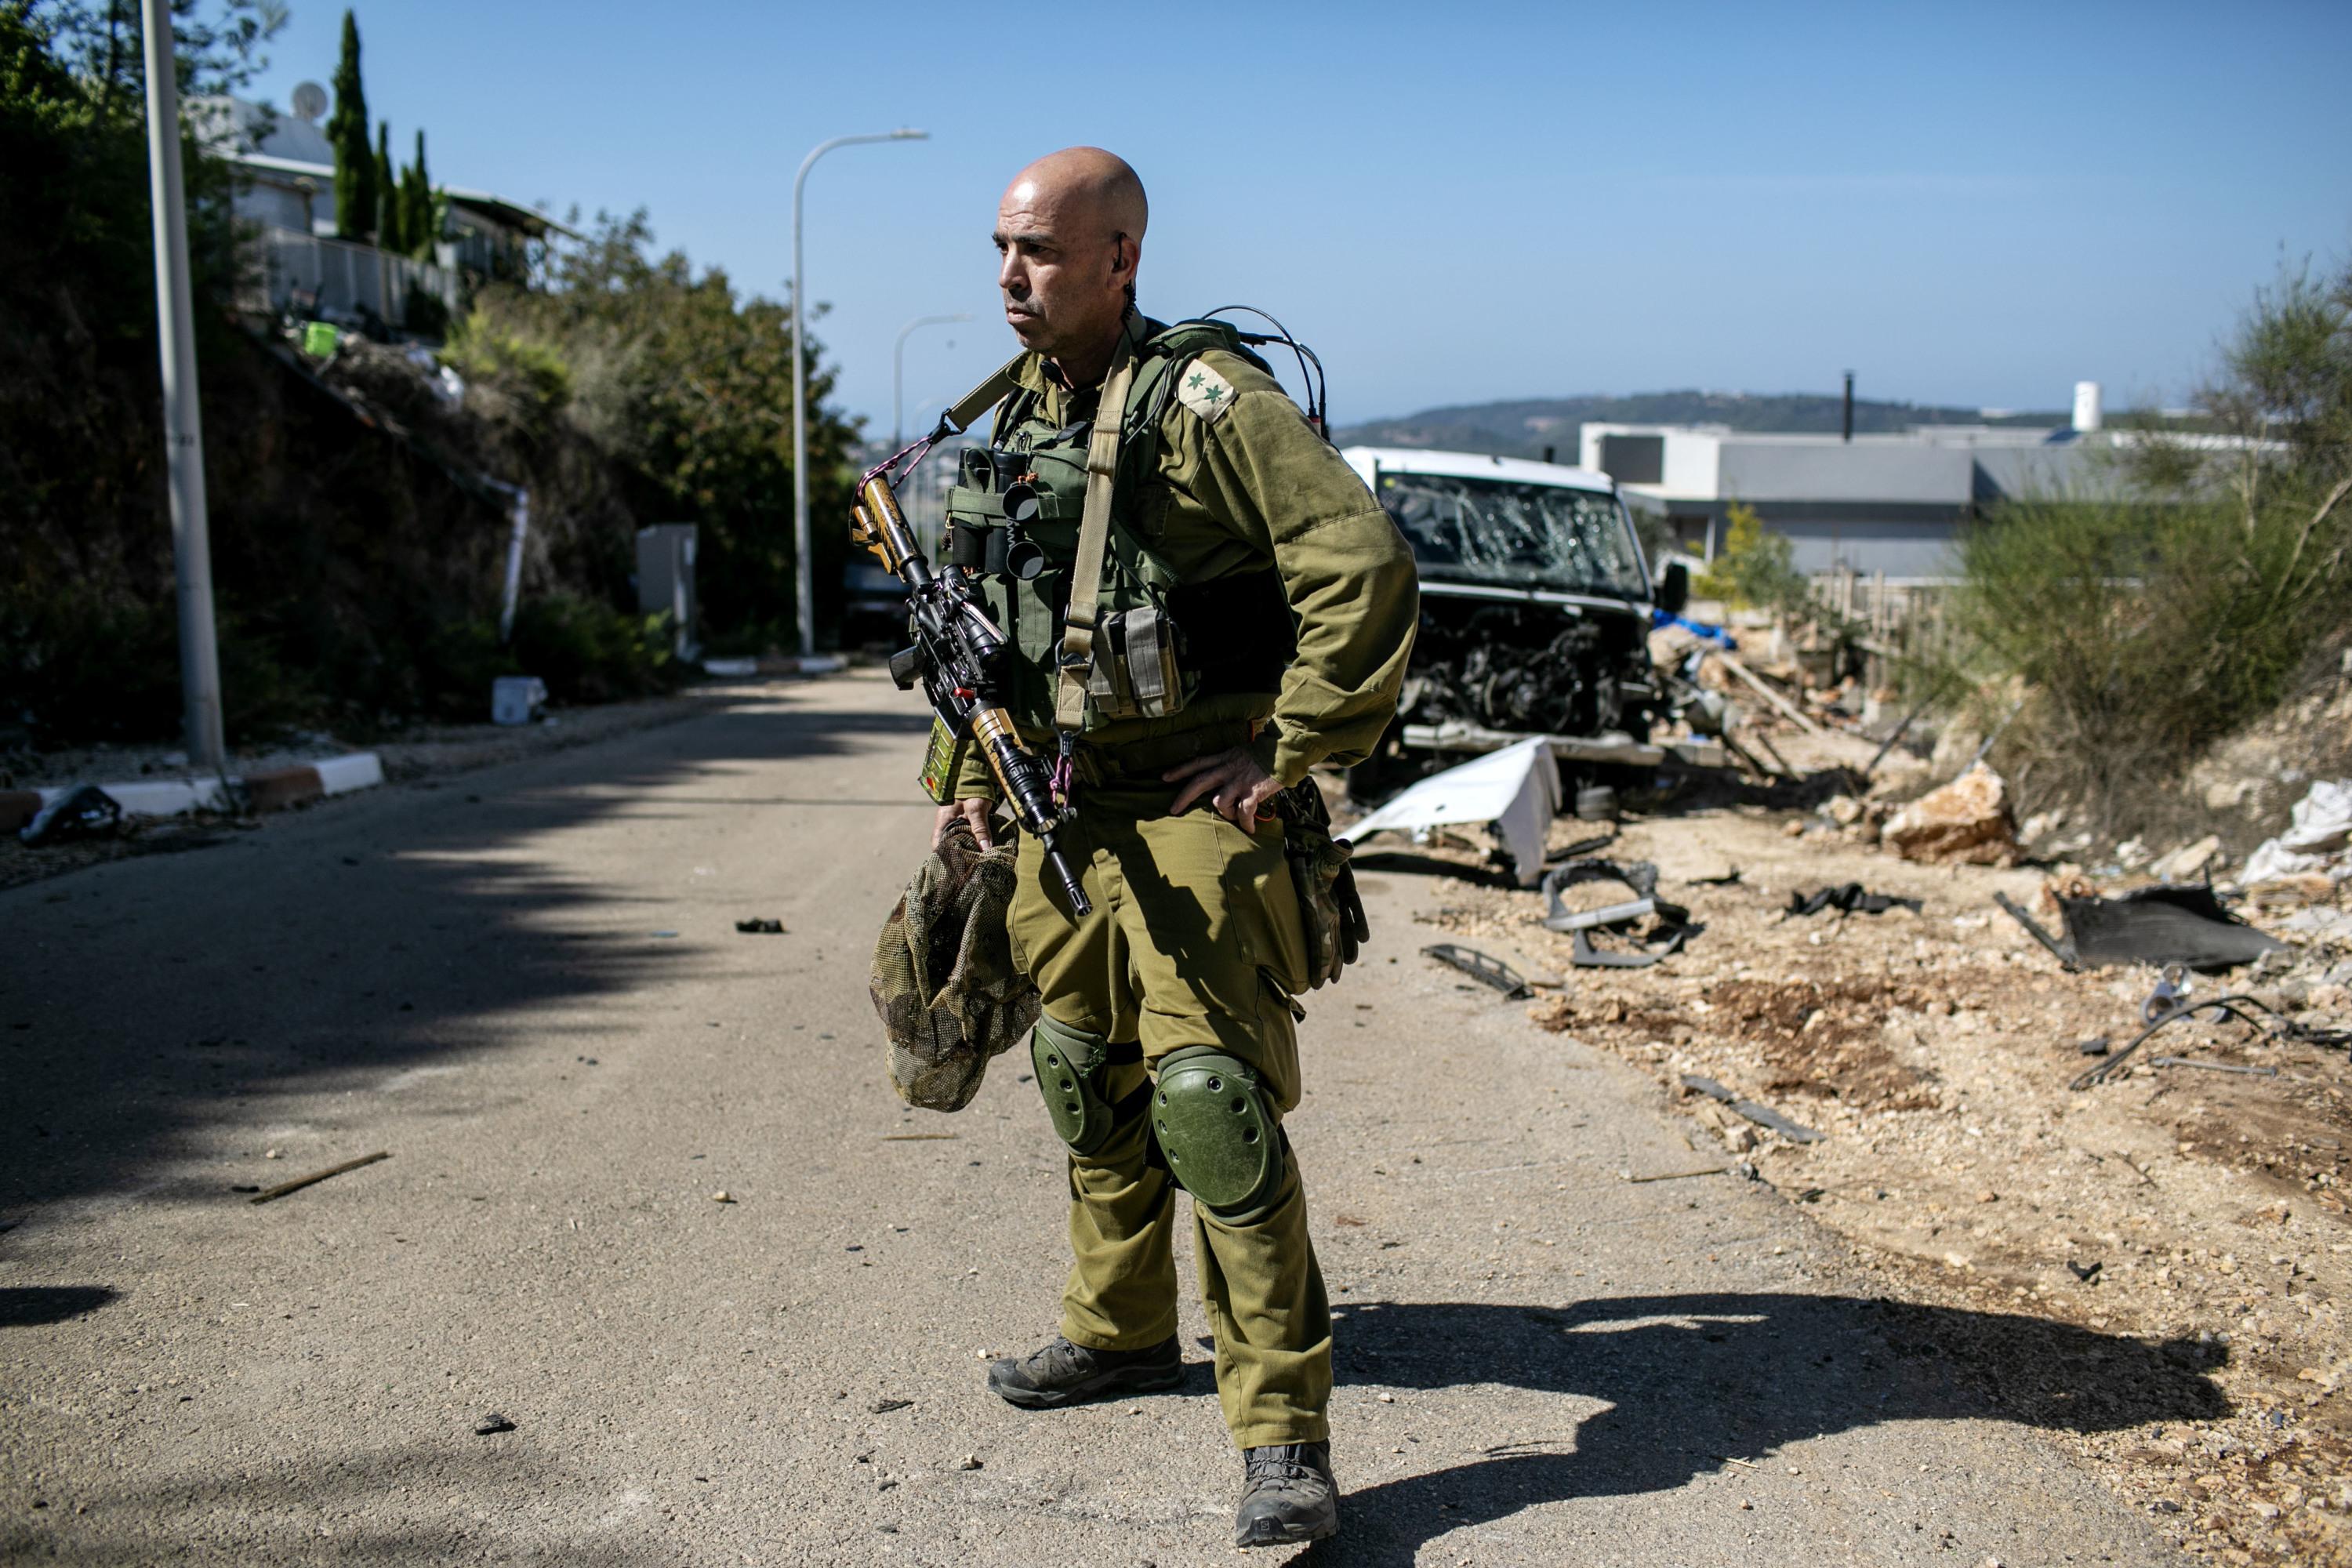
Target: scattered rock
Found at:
x=491, y=1423
x=722, y=1197
x=969, y=1462
x=1966, y=822
x=2185, y=863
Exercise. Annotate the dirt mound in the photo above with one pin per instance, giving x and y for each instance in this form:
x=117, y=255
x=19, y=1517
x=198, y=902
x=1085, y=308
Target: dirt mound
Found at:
x=1826, y=1039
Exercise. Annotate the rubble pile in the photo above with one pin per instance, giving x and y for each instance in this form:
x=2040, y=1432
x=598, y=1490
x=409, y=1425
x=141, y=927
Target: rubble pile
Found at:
x=1905, y=1074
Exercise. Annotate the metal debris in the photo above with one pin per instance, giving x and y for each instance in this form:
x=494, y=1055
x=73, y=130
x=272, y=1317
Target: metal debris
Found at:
x=1672, y=930
x=1762, y=1115
x=2062, y=951
x=2211, y=1067
x=2167, y=925
x=1517, y=790
x=2270, y=1026
x=1853, y=897
x=1482, y=968
x=2171, y=994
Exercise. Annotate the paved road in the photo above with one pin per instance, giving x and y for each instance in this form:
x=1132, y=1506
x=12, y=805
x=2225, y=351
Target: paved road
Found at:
x=525, y=983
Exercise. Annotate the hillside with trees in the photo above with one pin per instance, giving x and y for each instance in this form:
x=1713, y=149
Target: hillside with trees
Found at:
x=359, y=524
x=1523, y=428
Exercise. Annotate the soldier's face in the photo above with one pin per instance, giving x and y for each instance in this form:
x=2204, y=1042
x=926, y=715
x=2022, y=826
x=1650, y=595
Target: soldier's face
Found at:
x=1064, y=275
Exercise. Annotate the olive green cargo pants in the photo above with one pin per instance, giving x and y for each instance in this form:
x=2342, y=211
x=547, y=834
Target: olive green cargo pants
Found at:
x=1194, y=939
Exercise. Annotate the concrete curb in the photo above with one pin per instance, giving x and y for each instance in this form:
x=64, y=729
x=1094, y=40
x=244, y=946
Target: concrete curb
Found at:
x=274, y=790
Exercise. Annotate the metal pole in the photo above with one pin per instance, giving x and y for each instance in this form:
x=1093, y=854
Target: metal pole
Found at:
x=184, y=436
x=518, y=507
x=804, y=569
x=898, y=374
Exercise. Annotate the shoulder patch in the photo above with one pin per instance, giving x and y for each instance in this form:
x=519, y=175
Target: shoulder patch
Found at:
x=1201, y=389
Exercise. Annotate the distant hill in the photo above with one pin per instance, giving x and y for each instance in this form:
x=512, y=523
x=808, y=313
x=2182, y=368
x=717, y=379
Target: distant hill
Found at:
x=1524, y=428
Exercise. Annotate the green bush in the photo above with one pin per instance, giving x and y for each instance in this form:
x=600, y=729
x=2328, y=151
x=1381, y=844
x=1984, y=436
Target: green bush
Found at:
x=590, y=652
x=528, y=369
x=2146, y=629
x=1755, y=567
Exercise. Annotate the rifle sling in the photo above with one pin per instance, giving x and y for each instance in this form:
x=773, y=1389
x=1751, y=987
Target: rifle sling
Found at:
x=983, y=397
x=1077, y=661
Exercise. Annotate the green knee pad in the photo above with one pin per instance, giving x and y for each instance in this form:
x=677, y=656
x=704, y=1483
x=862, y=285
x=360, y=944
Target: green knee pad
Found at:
x=1070, y=1074
x=1219, y=1132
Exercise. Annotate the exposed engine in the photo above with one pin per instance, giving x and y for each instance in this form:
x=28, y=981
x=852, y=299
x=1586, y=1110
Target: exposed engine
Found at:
x=1527, y=669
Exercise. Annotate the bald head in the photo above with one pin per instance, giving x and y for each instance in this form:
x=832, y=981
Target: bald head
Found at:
x=1069, y=234
x=1086, y=185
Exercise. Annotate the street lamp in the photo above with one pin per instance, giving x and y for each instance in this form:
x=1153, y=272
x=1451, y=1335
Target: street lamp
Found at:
x=898, y=373
x=804, y=570
x=183, y=457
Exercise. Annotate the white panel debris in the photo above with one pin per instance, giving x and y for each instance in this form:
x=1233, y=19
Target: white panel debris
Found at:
x=1515, y=789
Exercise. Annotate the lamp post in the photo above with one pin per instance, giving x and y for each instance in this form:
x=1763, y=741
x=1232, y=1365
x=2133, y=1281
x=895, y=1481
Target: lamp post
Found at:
x=805, y=569
x=183, y=437
x=898, y=373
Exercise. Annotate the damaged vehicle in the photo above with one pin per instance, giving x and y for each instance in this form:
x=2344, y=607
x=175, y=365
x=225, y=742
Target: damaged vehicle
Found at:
x=1536, y=605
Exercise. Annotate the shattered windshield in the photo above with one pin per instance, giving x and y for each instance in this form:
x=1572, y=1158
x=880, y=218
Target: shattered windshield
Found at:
x=1522, y=535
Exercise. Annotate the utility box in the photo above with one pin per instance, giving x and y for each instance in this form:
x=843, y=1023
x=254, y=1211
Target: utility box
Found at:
x=517, y=698
x=665, y=579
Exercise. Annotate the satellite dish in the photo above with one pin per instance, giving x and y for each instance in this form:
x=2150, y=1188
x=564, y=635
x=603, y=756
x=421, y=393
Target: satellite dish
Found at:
x=310, y=101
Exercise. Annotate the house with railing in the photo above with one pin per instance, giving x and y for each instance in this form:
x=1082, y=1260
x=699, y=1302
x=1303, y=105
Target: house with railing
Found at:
x=286, y=194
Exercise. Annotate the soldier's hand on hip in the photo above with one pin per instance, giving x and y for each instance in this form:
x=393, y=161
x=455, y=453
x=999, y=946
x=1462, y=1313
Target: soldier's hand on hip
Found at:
x=974, y=810
x=1231, y=782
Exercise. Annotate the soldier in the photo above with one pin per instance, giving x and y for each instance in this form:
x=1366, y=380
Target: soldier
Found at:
x=1253, y=617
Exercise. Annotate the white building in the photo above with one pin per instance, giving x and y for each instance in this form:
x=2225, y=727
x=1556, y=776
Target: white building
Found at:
x=286, y=192
x=1870, y=503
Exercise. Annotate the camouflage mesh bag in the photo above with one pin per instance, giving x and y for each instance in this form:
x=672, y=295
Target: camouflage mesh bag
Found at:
x=944, y=981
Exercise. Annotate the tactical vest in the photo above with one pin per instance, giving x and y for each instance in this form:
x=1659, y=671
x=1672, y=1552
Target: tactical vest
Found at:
x=1013, y=521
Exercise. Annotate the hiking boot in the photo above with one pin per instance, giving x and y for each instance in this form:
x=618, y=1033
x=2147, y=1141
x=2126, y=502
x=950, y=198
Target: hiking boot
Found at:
x=1287, y=1495
x=1063, y=1373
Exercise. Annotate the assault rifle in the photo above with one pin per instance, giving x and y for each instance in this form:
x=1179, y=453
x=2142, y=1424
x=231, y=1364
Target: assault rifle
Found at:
x=960, y=658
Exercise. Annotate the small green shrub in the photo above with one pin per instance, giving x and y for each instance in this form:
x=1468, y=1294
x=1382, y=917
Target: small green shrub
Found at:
x=590, y=652
x=523, y=366
x=1755, y=567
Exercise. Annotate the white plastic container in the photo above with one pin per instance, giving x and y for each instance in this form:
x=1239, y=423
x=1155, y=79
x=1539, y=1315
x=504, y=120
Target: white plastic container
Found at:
x=517, y=698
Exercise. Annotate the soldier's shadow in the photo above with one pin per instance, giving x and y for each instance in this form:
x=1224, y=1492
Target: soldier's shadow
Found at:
x=1692, y=1382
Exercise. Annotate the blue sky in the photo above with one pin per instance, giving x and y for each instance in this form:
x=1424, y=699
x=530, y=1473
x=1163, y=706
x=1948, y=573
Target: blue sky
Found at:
x=1967, y=204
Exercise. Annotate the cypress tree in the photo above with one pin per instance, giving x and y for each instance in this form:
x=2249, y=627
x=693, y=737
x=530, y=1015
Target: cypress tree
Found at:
x=417, y=213
x=387, y=193
x=355, y=191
